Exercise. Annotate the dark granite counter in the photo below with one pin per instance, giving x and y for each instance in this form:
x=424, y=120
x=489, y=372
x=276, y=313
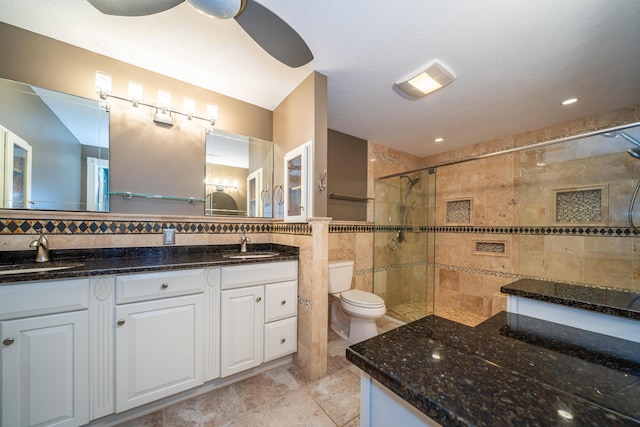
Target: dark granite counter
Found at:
x=93, y=262
x=507, y=371
x=603, y=300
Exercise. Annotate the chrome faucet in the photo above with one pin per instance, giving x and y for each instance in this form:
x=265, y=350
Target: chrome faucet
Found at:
x=243, y=242
x=42, y=247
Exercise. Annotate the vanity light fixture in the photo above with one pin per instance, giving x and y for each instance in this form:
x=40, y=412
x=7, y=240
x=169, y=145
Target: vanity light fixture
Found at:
x=438, y=140
x=189, y=107
x=135, y=92
x=428, y=79
x=570, y=101
x=164, y=113
x=103, y=84
x=212, y=114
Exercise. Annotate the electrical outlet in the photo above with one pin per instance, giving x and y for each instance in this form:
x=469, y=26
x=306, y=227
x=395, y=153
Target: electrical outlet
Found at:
x=169, y=236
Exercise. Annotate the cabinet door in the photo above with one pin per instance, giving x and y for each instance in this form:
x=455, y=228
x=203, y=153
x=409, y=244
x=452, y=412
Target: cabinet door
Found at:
x=158, y=349
x=241, y=335
x=45, y=370
x=297, y=195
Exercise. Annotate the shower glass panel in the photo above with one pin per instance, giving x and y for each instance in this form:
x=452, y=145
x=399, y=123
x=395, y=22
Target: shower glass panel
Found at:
x=403, y=260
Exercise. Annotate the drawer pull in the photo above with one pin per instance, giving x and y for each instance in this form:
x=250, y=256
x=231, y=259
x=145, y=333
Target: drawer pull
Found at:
x=282, y=340
x=164, y=286
x=120, y=322
x=283, y=302
x=258, y=299
x=8, y=341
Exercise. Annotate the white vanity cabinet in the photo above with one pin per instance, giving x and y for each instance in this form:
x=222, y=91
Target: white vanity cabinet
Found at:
x=159, y=335
x=257, y=315
x=45, y=353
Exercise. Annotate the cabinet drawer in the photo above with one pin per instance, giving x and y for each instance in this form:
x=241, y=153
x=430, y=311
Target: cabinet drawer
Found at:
x=47, y=297
x=280, y=338
x=281, y=301
x=147, y=286
x=258, y=274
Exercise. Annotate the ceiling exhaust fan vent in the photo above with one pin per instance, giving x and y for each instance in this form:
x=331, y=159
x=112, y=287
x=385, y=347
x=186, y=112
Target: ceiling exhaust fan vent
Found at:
x=420, y=83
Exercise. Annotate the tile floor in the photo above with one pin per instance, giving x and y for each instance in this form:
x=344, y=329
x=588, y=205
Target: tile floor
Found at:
x=280, y=397
x=415, y=310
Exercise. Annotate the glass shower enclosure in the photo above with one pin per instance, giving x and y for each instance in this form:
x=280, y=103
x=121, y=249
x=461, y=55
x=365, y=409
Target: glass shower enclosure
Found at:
x=403, y=258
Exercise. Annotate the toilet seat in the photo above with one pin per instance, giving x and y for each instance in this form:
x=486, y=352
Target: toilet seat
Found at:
x=362, y=299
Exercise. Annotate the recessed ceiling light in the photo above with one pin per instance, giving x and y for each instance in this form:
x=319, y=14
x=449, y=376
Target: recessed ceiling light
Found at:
x=569, y=101
x=438, y=140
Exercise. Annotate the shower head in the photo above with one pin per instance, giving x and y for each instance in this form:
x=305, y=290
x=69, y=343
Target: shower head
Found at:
x=634, y=152
x=413, y=181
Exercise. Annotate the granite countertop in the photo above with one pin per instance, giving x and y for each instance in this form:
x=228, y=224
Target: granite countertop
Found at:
x=510, y=370
x=93, y=262
x=603, y=300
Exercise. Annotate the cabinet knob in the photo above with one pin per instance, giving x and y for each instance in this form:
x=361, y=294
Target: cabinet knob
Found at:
x=164, y=285
x=258, y=299
x=283, y=302
x=282, y=340
x=8, y=341
x=120, y=322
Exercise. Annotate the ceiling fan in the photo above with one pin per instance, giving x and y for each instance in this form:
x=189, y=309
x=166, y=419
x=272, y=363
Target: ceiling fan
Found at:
x=273, y=34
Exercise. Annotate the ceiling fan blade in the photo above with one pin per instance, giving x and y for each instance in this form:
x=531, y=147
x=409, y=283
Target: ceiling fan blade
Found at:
x=220, y=9
x=133, y=7
x=274, y=35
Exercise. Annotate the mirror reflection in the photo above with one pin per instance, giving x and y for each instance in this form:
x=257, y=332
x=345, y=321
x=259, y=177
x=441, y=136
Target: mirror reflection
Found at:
x=54, y=150
x=239, y=175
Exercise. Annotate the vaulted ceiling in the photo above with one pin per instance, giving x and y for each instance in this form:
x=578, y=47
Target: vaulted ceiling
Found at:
x=515, y=60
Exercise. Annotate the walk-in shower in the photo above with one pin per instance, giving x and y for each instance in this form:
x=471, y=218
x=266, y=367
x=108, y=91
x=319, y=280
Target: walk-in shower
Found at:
x=635, y=153
x=403, y=247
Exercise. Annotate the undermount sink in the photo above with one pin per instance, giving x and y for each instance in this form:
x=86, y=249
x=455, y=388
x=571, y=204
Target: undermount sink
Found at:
x=251, y=255
x=34, y=268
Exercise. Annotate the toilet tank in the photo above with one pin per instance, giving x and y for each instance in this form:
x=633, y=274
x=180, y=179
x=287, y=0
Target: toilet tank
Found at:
x=340, y=273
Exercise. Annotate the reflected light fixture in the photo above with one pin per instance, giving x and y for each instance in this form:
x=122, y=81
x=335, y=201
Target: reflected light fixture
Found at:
x=438, y=140
x=103, y=84
x=428, y=79
x=135, y=92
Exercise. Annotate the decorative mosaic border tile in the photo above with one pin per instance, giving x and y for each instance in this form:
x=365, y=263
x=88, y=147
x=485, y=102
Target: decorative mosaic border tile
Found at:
x=534, y=230
x=388, y=159
x=305, y=303
x=33, y=226
x=288, y=228
x=348, y=228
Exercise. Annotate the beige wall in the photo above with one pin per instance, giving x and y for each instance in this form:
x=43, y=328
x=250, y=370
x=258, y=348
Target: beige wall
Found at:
x=300, y=118
x=515, y=191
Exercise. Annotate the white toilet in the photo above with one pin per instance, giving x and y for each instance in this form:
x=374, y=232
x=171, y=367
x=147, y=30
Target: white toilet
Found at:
x=353, y=312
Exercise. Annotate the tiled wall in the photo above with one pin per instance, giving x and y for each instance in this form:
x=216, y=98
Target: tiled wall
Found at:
x=514, y=206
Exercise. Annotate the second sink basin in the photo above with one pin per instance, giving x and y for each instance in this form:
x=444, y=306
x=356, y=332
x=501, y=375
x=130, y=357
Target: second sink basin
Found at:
x=251, y=255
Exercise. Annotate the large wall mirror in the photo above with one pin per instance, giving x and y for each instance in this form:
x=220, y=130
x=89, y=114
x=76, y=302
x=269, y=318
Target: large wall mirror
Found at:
x=54, y=150
x=239, y=175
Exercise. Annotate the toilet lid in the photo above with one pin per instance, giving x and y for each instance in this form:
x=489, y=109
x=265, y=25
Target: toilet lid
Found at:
x=362, y=299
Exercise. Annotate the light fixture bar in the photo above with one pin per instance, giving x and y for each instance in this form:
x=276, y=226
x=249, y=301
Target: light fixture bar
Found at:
x=211, y=121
